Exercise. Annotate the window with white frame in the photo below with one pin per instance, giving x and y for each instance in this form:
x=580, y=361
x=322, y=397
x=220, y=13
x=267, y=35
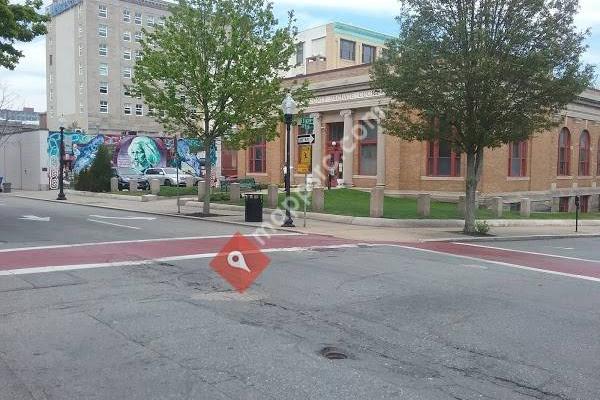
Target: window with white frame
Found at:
x=80, y=30
x=126, y=15
x=126, y=72
x=127, y=36
x=138, y=18
x=51, y=94
x=139, y=109
x=126, y=54
x=80, y=50
x=104, y=87
x=150, y=20
x=103, y=69
x=103, y=30
x=80, y=87
x=138, y=55
x=81, y=108
x=127, y=109
x=161, y=21
x=102, y=11
x=104, y=106
x=126, y=91
x=50, y=78
x=138, y=36
x=103, y=49
x=80, y=69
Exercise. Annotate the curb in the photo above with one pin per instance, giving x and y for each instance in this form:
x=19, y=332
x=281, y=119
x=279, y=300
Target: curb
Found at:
x=512, y=238
x=156, y=213
x=414, y=223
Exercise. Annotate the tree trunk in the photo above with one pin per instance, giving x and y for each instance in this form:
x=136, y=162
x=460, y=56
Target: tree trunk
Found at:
x=474, y=163
x=207, y=176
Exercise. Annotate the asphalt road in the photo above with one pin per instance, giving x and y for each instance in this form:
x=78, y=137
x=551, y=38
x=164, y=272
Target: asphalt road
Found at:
x=416, y=322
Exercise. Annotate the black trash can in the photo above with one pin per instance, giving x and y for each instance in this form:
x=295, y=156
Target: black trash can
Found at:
x=7, y=187
x=254, y=207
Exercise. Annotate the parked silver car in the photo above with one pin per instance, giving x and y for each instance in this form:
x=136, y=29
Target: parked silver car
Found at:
x=168, y=176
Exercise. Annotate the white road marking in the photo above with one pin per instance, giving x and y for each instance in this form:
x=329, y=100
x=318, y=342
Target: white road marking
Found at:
x=529, y=252
x=111, y=224
x=125, y=218
x=57, y=268
x=474, y=266
x=62, y=246
x=34, y=218
x=441, y=253
x=564, y=248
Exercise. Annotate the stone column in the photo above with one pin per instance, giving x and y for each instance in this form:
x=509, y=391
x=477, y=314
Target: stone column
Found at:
x=380, y=155
x=555, y=207
x=317, y=151
x=348, y=147
x=234, y=192
x=133, y=185
x=201, y=191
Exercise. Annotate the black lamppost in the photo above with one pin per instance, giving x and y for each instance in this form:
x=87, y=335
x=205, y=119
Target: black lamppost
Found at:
x=61, y=182
x=289, y=109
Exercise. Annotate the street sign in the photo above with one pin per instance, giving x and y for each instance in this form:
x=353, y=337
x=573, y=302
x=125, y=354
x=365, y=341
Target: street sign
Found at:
x=306, y=139
x=305, y=159
x=302, y=169
x=307, y=123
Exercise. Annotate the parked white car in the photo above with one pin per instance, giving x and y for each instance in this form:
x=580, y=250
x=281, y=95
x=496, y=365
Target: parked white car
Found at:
x=168, y=176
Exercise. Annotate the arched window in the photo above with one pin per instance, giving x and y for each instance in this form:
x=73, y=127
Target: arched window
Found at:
x=584, y=154
x=564, y=152
x=598, y=158
x=442, y=160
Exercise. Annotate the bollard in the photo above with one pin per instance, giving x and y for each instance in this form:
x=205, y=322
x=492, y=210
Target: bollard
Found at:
x=497, y=207
x=461, y=206
x=154, y=186
x=377, y=197
x=272, y=196
x=114, y=184
x=189, y=181
x=234, y=191
x=133, y=185
x=424, y=205
x=525, y=208
x=201, y=191
x=318, y=199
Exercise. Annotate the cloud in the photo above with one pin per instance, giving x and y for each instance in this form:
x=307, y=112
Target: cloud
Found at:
x=28, y=79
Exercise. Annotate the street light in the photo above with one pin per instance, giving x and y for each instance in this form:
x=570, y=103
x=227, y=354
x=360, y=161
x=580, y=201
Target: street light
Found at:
x=289, y=110
x=61, y=171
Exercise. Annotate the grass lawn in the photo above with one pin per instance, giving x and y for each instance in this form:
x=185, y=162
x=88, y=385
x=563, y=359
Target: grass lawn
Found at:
x=356, y=203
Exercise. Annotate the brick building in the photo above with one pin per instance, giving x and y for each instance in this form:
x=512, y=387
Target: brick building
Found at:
x=550, y=168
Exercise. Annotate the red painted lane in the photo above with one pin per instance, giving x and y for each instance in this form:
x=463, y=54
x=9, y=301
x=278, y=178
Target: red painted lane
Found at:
x=544, y=262
x=119, y=252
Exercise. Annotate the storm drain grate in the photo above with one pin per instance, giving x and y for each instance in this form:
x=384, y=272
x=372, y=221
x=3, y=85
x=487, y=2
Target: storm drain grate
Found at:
x=333, y=353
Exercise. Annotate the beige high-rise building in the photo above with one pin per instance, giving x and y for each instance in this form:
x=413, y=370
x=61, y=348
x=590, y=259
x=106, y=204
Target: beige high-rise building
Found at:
x=91, y=47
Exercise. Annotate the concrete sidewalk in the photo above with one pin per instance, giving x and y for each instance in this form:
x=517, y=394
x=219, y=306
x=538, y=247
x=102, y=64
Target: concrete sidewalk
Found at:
x=410, y=232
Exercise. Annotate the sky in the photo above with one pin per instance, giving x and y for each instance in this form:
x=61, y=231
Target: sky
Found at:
x=28, y=81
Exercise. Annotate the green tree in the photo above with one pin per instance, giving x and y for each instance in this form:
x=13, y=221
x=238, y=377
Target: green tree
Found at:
x=97, y=177
x=480, y=74
x=18, y=23
x=214, y=70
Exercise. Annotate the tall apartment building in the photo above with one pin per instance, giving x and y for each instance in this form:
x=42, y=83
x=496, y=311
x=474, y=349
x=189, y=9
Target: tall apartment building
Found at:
x=91, y=47
x=334, y=45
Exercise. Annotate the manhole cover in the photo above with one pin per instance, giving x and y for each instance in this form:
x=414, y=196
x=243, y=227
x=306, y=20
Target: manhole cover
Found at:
x=333, y=353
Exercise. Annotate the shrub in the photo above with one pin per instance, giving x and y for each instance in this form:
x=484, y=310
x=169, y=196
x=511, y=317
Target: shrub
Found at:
x=482, y=227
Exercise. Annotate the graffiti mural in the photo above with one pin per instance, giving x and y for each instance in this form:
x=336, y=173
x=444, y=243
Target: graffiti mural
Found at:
x=141, y=153
x=137, y=152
